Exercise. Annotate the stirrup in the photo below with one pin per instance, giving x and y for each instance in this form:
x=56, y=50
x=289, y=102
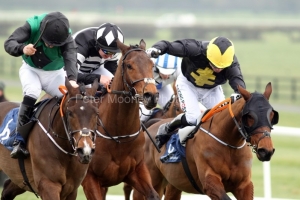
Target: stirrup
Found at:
x=19, y=151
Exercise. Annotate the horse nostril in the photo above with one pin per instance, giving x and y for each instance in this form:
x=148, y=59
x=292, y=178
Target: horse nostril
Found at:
x=264, y=154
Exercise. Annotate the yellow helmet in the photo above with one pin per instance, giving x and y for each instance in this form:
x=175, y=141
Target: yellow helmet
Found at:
x=220, y=52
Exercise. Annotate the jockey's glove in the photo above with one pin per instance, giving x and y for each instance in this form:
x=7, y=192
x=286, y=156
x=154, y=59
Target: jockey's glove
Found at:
x=153, y=52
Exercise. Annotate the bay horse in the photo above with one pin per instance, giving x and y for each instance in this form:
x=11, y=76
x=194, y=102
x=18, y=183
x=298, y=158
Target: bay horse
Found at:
x=61, y=144
x=119, y=153
x=217, y=159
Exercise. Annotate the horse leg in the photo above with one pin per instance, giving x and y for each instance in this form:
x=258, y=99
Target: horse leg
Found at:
x=104, y=191
x=91, y=187
x=72, y=196
x=49, y=190
x=10, y=190
x=246, y=192
x=214, y=188
x=141, y=181
x=172, y=193
x=127, y=191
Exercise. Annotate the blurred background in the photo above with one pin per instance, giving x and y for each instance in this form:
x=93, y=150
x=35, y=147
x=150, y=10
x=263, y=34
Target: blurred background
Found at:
x=266, y=35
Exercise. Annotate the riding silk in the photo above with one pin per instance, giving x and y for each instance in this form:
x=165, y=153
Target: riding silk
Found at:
x=8, y=127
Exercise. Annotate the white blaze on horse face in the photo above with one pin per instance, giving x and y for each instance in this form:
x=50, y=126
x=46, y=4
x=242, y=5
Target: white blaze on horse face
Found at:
x=82, y=108
x=87, y=150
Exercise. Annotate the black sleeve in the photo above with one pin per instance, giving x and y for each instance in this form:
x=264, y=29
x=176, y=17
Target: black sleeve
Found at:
x=87, y=78
x=179, y=48
x=111, y=66
x=14, y=45
x=234, y=76
x=69, y=51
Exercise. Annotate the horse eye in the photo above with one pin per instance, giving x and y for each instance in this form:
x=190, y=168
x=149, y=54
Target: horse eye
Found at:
x=70, y=113
x=129, y=66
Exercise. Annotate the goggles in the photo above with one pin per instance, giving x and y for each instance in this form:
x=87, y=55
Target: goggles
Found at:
x=108, y=52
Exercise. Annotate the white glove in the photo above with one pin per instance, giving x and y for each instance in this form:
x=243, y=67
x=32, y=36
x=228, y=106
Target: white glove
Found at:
x=153, y=52
x=74, y=84
x=234, y=97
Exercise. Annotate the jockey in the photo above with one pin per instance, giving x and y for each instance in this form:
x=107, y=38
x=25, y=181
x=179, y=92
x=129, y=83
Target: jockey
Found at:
x=49, y=53
x=206, y=65
x=166, y=70
x=97, y=55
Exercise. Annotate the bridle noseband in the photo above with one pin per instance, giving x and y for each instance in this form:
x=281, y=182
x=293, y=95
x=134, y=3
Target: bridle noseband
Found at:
x=132, y=91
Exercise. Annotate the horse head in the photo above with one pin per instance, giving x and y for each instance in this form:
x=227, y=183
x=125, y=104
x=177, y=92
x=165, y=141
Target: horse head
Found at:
x=257, y=120
x=80, y=114
x=135, y=69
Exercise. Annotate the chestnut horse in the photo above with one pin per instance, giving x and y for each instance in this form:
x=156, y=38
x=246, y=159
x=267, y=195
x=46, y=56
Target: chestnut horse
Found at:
x=216, y=155
x=119, y=155
x=61, y=144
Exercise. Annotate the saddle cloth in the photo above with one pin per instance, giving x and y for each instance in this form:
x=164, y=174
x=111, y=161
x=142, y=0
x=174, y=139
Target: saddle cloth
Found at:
x=8, y=129
x=174, y=150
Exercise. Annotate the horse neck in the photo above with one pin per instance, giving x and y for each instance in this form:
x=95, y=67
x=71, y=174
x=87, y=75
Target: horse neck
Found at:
x=118, y=107
x=224, y=127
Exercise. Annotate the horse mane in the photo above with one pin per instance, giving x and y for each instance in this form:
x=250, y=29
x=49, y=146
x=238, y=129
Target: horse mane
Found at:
x=134, y=46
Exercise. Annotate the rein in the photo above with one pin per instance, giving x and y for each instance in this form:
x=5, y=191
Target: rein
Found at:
x=219, y=107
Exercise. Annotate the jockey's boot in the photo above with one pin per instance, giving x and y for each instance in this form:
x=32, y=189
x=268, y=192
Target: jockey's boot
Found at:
x=165, y=131
x=19, y=147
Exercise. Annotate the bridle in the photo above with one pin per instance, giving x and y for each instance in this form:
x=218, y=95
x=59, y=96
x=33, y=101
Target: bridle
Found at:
x=65, y=119
x=240, y=125
x=85, y=132
x=131, y=89
x=132, y=92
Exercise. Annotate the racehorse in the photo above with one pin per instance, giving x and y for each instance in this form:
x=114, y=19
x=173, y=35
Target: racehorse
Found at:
x=119, y=148
x=61, y=144
x=216, y=159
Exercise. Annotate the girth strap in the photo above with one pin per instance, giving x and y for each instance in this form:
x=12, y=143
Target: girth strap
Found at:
x=189, y=174
x=23, y=171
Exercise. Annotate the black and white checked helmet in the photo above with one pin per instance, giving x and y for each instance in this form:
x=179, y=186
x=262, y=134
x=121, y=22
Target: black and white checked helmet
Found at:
x=106, y=36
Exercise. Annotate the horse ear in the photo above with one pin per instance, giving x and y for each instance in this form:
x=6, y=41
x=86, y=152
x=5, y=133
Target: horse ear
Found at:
x=268, y=90
x=121, y=46
x=95, y=86
x=246, y=95
x=69, y=86
x=143, y=44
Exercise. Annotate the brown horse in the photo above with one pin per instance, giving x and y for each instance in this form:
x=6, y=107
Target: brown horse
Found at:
x=119, y=153
x=216, y=155
x=61, y=144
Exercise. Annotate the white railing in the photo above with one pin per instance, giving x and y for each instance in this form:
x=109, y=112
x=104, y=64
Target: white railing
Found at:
x=278, y=130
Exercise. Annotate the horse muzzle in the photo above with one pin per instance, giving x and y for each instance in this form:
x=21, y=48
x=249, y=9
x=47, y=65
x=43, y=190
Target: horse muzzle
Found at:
x=84, y=156
x=150, y=100
x=264, y=154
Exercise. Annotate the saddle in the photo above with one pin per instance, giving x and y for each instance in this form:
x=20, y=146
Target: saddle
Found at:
x=188, y=132
x=38, y=107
